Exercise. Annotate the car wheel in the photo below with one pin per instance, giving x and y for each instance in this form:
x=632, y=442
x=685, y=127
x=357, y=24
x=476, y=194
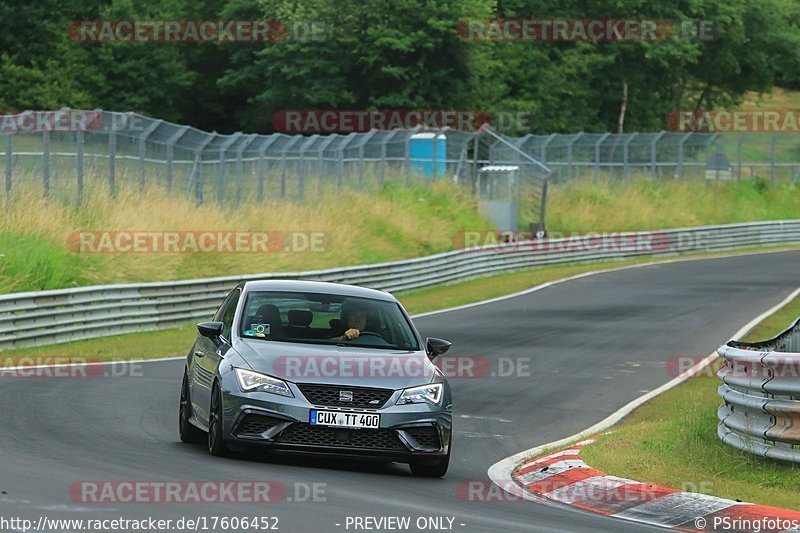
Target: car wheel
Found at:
x=437, y=469
x=189, y=433
x=216, y=443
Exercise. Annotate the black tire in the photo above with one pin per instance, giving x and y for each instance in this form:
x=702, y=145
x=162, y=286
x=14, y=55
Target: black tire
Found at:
x=189, y=433
x=216, y=442
x=437, y=469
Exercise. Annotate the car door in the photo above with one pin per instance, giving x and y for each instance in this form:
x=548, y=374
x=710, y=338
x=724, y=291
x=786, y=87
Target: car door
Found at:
x=207, y=356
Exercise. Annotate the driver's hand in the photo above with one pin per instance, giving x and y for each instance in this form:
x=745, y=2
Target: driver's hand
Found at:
x=351, y=334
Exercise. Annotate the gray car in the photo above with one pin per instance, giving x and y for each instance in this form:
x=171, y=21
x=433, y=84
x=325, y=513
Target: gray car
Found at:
x=303, y=367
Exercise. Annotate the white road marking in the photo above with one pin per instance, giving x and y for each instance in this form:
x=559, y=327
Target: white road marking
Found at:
x=484, y=418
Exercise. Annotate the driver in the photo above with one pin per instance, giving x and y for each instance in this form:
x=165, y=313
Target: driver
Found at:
x=354, y=318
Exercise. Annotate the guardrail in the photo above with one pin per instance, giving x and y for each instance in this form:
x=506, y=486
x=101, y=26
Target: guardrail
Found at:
x=48, y=317
x=761, y=389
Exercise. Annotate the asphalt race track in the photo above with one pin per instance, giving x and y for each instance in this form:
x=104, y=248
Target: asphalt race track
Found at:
x=593, y=344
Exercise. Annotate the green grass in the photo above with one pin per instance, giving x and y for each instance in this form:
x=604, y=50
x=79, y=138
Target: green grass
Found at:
x=672, y=441
x=633, y=205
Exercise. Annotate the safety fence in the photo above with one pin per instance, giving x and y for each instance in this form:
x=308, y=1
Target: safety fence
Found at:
x=39, y=318
x=107, y=151
x=761, y=389
x=77, y=153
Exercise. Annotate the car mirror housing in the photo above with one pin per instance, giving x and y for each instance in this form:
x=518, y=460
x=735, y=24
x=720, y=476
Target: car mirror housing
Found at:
x=436, y=346
x=211, y=330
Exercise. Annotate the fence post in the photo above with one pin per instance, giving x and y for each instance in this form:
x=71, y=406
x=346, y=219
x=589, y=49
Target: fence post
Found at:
x=112, y=161
x=543, y=206
x=741, y=138
x=625, y=154
x=304, y=148
x=240, y=166
x=321, y=161
x=262, y=163
x=143, y=152
x=680, y=153
x=9, y=154
x=435, y=153
x=543, y=148
x=222, y=171
x=262, y=170
x=46, y=163
x=198, y=172
x=345, y=144
x=285, y=150
x=476, y=146
x=171, y=142
x=384, y=155
x=572, y=141
x=772, y=161
x=653, y=154
x=364, y=138
x=79, y=166
x=599, y=142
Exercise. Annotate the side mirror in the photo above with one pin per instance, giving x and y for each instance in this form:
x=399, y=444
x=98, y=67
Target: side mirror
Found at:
x=211, y=330
x=436, y=346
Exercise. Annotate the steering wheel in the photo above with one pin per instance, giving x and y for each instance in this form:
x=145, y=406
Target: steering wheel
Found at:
x=370, y=333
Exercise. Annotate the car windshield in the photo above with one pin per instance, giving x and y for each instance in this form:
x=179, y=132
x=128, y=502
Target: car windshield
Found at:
x=315, y=318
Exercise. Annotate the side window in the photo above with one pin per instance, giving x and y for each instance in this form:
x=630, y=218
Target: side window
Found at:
x=228, y=312
x=222, y=307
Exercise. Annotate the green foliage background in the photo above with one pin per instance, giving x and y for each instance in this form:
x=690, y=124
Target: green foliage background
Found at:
x=398, y=54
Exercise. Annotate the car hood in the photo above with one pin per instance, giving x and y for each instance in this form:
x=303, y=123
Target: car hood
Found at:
x=338, y=365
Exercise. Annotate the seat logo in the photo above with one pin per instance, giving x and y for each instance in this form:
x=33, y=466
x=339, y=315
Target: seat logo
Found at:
x=345, y=396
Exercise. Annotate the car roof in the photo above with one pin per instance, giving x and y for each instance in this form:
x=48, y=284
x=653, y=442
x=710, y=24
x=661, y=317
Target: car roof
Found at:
x=323, y=287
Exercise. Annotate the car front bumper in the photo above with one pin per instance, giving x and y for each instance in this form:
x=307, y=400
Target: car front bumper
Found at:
x=407, y=432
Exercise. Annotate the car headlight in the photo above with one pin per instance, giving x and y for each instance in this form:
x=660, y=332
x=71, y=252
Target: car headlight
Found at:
x=251, y=381
x=431, y=394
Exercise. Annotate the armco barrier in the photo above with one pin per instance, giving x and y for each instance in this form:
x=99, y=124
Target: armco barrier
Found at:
x=38, y=318
x=761, y=389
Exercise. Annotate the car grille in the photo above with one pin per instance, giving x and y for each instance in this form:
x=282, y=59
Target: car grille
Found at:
x=375, y=439
x=329, y=395
x=252, y=426
x=427, y=437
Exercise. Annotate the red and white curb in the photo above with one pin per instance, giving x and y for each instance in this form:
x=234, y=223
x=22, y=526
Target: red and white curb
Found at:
x=562, y=477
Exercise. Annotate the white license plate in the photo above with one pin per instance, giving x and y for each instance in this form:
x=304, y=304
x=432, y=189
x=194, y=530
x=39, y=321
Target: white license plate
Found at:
x=341, y=419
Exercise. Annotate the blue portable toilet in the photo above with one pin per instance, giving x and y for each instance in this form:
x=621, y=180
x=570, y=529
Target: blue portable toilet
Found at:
x=428, y=154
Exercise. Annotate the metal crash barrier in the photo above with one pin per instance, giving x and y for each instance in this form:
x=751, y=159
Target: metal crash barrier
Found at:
x=47, y=317
x=761, y=389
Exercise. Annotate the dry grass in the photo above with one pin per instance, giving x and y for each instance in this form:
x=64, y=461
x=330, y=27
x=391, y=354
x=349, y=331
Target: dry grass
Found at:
x=392, y=223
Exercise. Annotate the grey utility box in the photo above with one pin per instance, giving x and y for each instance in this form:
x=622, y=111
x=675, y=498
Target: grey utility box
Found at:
x=498, y=195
